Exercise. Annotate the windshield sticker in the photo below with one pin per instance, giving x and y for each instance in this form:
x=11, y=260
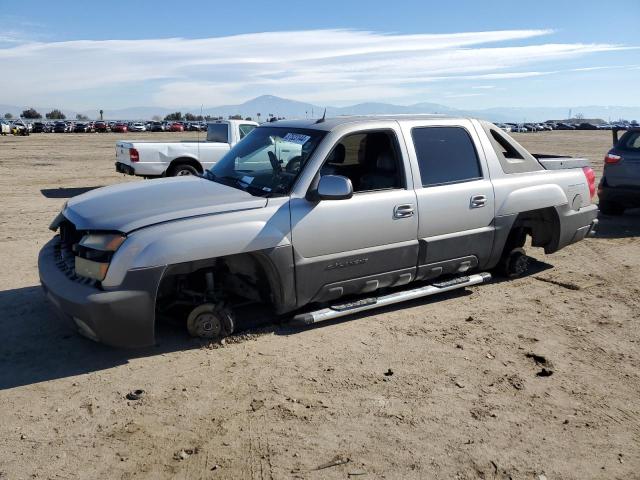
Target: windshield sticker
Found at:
x=296, y=138
x=247, y=180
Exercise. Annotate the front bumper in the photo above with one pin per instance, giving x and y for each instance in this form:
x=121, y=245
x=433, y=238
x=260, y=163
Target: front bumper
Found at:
x=124, y=168
x=121, y=318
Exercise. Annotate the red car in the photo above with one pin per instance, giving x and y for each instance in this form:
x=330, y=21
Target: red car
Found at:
x=120, y=128
x=176, y=127
x=101, y=127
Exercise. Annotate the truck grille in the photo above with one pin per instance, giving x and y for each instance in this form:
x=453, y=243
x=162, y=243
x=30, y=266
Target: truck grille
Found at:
x=64, y=252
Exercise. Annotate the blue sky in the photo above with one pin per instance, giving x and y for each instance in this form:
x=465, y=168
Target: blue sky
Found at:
x=465, y=54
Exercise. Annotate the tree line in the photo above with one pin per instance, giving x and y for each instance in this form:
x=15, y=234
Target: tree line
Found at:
x=33, y=114
x=190, y=117
x=56, y=114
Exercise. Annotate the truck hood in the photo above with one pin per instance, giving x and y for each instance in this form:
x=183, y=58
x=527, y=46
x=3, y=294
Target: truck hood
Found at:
x=131, y=206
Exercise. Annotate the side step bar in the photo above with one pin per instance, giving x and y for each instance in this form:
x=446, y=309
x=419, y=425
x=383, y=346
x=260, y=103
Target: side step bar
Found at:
x=341, y=310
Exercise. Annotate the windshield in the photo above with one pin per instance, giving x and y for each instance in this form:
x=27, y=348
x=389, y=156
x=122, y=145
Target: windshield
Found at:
x=267, y=161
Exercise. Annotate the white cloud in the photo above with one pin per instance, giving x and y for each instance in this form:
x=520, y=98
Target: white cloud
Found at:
x=326, y=66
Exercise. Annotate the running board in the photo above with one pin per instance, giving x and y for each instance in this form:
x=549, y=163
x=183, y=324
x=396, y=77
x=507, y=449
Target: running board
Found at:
x=343, y=309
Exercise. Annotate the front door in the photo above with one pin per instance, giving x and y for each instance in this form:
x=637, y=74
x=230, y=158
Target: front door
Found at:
x=363, y=243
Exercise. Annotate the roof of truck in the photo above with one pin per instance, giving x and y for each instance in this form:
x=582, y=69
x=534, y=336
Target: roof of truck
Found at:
x=330, y=123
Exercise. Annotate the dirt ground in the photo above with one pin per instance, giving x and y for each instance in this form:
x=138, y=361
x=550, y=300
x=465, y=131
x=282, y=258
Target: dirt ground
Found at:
x=440, y=388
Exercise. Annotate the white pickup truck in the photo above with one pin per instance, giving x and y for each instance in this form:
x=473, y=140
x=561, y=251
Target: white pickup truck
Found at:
x=169, y=159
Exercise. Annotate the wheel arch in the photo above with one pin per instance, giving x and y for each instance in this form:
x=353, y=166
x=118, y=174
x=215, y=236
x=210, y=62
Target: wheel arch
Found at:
x=270, y=272
x=541, y=224
x=185, y=160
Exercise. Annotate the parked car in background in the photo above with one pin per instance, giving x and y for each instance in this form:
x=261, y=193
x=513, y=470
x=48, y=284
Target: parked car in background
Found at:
x=81, y=127
x=504, y=127
x=137, y=127
x=196, y=127
x=619, y=187
x=157, y=127
x=586, y=126
x=60, y=127
x=5, y=128
x=564, y=126
x=120, y=128
x=153, y=159
x=101, y=127
x=40, y=127
x=176, y=127
x=20, y=128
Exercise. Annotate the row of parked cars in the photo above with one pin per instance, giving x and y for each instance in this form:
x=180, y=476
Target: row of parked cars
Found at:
x=549, y=126
x=14, y=127
x=114, y=126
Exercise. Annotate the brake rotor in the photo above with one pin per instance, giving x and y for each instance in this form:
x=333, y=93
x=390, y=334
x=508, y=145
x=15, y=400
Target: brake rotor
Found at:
x=210, y=321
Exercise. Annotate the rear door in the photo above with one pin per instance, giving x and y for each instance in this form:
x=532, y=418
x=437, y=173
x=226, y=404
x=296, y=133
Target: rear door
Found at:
x=454, y=195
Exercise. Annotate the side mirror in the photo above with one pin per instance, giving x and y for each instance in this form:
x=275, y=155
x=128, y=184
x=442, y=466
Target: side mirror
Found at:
x=334, y=187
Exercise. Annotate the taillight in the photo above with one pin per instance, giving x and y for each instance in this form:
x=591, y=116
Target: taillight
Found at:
x=591, y=180
x=611, y=158
x=134, y=156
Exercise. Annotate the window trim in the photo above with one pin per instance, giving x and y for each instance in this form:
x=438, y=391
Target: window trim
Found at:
x=396, y=148
x=452, y=182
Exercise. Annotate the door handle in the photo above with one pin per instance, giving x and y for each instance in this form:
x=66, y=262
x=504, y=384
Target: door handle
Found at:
x=478, y=201
x=403, y=211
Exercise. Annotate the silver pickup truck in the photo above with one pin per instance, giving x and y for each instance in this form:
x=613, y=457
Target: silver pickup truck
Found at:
x=372, y=211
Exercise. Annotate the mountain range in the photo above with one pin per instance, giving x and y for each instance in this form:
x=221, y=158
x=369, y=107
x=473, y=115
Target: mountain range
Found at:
x=283, y=107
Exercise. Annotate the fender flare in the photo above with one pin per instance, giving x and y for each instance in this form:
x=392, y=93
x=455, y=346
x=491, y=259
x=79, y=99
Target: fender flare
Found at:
x=532, y=198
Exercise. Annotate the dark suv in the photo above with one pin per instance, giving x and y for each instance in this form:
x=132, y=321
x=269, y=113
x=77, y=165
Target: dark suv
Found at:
x=620, y=185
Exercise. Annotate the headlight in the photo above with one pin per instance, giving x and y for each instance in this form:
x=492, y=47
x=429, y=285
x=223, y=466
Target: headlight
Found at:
x=106, y=242
x=94, y=254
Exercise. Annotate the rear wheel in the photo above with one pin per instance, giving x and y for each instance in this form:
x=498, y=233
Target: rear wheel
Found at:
x=514, y=264
x=183, y=169
x=611, y=208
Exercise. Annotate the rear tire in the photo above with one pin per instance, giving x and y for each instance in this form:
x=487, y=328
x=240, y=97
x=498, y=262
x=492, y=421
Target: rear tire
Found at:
x=513, y=264
x=611, y=208
x=183, y=169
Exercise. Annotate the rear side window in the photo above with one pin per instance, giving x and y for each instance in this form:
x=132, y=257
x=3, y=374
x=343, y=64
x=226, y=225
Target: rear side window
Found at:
x=245, y=129
x=445, y=155
x=218, y=132
x=630, y=141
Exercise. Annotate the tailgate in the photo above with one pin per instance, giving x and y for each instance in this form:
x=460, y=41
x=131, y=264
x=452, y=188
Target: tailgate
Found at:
x=553, y=162
x=122, y=152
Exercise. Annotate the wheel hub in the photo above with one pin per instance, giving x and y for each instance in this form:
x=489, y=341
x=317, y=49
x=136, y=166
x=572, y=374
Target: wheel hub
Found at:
x=209, y=321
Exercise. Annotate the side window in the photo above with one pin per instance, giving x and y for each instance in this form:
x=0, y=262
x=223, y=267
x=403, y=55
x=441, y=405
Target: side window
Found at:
x=218, y=132
x=445, y=155
x=632, y=142
x=503, y=146
x=370, y=160
x=245, y=130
